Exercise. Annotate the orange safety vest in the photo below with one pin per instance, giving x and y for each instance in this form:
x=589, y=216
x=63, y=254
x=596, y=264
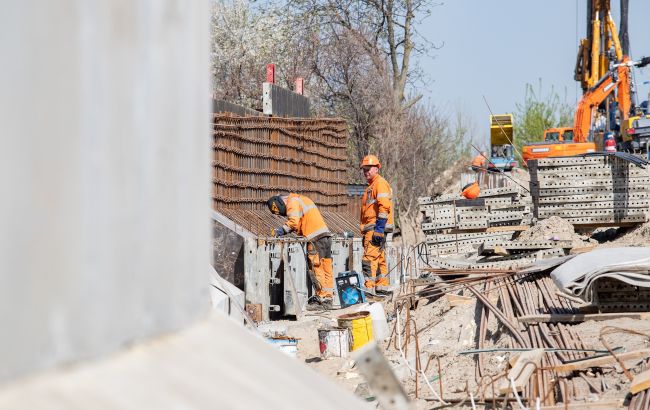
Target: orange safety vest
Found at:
x=377, y=202
x=479, y=161
x=304, y=217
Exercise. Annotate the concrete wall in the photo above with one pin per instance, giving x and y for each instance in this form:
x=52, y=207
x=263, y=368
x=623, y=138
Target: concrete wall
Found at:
x=105, y=175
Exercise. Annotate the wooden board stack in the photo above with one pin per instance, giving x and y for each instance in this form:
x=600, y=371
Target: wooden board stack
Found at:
x=590, y=191
x=455, y=225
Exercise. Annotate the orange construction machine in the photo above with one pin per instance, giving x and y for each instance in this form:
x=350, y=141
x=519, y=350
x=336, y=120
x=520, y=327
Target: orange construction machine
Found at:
x=563, y=142
x=602, y=67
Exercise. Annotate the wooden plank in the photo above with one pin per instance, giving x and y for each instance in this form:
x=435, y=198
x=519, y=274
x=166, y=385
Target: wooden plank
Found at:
x=640, y=382
x=457, y=300
x=521, y=371
x=579, y=317
x=582, y=249
x=602, y=361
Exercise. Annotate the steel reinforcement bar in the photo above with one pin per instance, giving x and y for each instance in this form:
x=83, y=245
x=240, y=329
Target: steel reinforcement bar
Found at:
x=257, y=157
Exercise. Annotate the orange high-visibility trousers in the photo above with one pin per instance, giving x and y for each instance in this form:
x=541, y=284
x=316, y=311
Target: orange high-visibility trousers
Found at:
x=374, y=261
x=319, y=254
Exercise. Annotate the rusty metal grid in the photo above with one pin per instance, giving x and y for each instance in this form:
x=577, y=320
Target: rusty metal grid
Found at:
x=255, y=158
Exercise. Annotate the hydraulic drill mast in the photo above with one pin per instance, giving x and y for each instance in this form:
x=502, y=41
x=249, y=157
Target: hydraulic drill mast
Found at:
x=592, y=62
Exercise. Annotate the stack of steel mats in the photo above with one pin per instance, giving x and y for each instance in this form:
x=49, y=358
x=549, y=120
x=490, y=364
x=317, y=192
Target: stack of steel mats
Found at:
x=590, y=191
x=255, y=158
x=454, y=225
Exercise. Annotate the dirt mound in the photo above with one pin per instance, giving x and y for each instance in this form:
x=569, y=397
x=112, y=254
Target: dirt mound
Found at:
x=553, y=228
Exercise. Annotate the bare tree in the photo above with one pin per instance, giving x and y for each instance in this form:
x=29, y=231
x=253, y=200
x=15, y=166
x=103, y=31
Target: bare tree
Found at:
x=386, y=27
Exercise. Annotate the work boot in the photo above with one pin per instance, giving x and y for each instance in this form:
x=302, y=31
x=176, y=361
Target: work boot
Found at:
x=327, y=303
x=314, y=303
x=383, y=291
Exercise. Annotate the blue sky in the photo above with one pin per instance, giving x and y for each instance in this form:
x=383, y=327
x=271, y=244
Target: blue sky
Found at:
x=494, y=48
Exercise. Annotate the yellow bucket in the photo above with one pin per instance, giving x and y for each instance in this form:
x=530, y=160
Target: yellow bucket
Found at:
x=360, y=325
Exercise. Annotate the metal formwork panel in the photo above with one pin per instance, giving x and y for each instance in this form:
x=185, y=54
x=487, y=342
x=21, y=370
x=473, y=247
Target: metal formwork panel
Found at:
x=297, y=267
x=264, y=272
x=280, y=102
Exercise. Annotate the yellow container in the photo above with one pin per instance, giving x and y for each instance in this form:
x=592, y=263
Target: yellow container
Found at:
x=360, y=325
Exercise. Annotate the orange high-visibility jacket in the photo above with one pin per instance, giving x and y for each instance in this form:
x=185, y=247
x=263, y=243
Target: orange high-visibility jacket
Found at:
x=479, y=161
x=303, y=217
x=377, y=202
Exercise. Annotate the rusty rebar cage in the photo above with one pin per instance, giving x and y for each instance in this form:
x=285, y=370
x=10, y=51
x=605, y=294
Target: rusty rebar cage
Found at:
x=255, y=158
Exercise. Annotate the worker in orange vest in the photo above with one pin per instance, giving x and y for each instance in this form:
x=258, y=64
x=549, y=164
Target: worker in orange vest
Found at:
x=479, y=163
x=376, y=222
x=304, y=219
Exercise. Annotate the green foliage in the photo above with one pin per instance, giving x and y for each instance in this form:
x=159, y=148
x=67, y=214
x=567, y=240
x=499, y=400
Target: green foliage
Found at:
x=539, y=112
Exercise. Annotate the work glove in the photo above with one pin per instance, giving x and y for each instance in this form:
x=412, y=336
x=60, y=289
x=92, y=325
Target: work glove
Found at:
x=378, y=234
x=377, y=238
x=275, y=232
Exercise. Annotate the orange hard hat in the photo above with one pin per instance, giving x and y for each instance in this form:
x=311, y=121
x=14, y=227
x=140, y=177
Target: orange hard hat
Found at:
x=471, y=190
x=370, y=161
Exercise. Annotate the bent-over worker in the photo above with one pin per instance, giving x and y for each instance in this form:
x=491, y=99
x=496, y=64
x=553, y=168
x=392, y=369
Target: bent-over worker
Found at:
x=376, y=221
x=304, y=219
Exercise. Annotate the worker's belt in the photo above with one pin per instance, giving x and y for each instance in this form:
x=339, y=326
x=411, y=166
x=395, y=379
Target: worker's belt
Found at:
x=318, y=232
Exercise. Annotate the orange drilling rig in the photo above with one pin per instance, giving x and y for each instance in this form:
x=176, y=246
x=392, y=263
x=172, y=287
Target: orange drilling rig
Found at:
x=604, y=72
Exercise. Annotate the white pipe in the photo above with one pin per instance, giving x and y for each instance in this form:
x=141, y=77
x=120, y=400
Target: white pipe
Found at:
x=514, y=391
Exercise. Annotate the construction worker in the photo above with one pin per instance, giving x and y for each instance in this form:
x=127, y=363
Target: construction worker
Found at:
x=479, y=163
x=376, y=221
x=304, y=219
